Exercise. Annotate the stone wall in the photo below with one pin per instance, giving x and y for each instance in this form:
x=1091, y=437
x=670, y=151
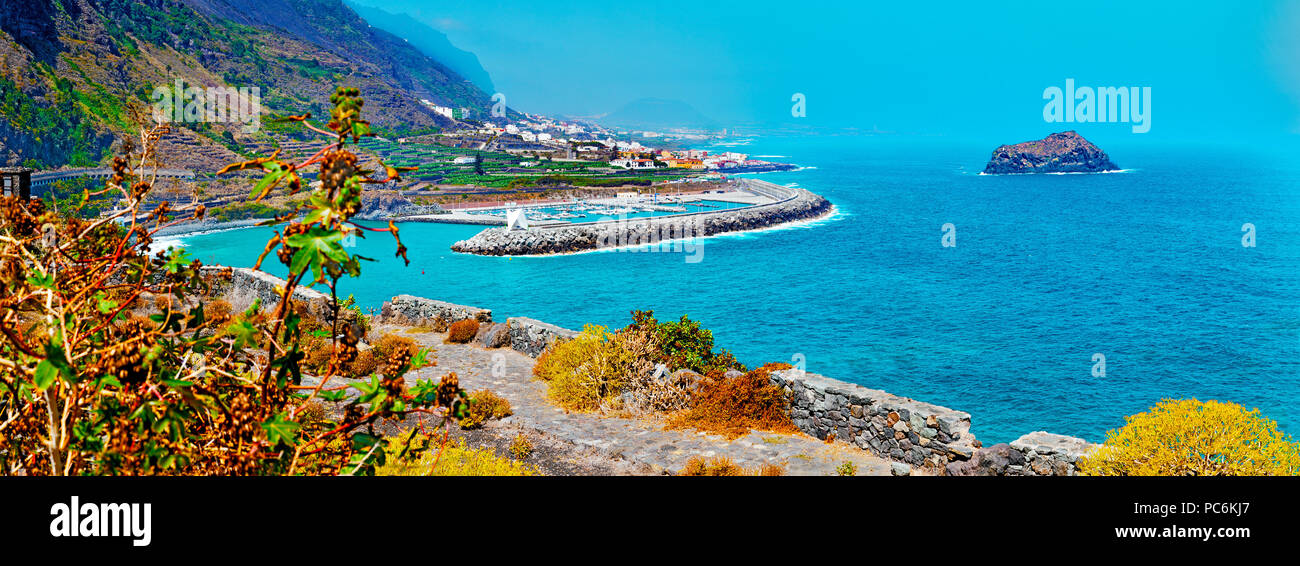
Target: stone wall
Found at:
x=919, y=434
x=533, y=336
x=419, y=311
x=902, y=429
x=1047, y=454
x=240, y=286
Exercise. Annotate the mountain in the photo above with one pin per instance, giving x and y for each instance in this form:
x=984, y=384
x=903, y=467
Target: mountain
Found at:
x=658, y=114
x=77, y=72
x=429, y=41
x=1064, y=152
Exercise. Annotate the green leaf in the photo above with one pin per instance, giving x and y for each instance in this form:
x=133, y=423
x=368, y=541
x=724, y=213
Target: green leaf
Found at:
x=360, y=129
x=42, y=281
x=362, y=441
x=280, y=430
x=104, y=305
x=274, y=174
x=243, y=331
x=46, y=373
x=178, y=259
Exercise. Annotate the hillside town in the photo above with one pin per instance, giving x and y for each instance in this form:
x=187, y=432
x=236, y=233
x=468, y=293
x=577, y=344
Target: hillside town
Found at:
x=541, y=136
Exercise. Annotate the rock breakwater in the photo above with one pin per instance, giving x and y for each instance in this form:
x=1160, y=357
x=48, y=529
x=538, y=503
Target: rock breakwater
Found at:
x=789, y=205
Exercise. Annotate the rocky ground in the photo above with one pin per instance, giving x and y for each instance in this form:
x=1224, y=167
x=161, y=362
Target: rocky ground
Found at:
x=568, y=443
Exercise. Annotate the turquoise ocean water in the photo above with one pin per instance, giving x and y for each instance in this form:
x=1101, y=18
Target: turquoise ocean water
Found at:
x=1145, y=267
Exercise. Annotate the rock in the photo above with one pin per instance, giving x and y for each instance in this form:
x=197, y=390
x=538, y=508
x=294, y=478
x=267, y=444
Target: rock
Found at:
x=689, y=379
x=409, y=309
x=533, y=336
x=495, y=335
x=991, y=461
x=900, y=469
x=385, y=205
x=1065, y=152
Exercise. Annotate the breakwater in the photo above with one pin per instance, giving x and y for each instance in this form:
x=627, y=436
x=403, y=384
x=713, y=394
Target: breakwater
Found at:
x=786, y=205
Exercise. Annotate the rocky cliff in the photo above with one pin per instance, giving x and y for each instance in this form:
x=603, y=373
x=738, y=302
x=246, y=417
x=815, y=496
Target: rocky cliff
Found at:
x=1065, y=152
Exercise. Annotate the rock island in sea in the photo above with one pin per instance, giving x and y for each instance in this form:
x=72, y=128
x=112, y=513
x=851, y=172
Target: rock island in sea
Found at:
x=1064, y=152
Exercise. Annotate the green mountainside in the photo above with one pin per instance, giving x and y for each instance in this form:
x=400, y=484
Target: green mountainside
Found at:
x=77, y=73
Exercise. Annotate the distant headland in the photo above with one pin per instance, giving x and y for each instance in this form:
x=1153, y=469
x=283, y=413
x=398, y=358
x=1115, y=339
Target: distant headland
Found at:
x=1064, y=152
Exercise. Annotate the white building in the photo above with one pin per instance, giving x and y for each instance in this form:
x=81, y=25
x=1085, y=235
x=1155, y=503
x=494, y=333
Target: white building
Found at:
x=629, y=163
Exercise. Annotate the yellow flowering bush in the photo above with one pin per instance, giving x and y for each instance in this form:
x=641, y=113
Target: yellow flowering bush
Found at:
x=422, y=458
x=591, y=370
x=1187, y=437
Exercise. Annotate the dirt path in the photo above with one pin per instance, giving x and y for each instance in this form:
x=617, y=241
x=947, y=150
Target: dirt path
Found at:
x=634, y=445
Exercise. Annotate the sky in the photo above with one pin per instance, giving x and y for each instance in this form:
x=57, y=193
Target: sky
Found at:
x=1222, y=71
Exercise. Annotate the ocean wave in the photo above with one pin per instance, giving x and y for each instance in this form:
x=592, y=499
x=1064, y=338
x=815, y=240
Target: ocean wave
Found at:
x=164, y=243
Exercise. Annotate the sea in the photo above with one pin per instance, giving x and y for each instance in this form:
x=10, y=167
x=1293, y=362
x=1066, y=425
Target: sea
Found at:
x=1033, y=302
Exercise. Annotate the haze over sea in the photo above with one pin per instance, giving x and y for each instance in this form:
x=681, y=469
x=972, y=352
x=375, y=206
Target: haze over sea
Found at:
x=1145, y=266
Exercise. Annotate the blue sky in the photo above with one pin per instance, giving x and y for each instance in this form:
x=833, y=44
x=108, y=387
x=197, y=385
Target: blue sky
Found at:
x=1218, y=71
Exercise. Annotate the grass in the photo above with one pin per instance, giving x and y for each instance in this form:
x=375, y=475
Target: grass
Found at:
x=457, y=459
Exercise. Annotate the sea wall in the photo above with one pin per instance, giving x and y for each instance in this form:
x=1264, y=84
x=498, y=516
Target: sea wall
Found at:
x=898, y=428
x=533, y=336
x=419, y=311
x=790, y=205
x=241, y=286
x=917, y=433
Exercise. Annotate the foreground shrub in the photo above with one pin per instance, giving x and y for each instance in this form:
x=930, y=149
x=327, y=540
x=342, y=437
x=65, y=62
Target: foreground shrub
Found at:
x=684, y=344
x=422, y=458
x=1188, y=437
x=521, y=447
x=719, y=466
x=484, y=405
x=723, y=466
x=219, y=311
x=732, y=406
x=393, y=344
x=179, y=393
x=590, y=371
x=462, y=331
